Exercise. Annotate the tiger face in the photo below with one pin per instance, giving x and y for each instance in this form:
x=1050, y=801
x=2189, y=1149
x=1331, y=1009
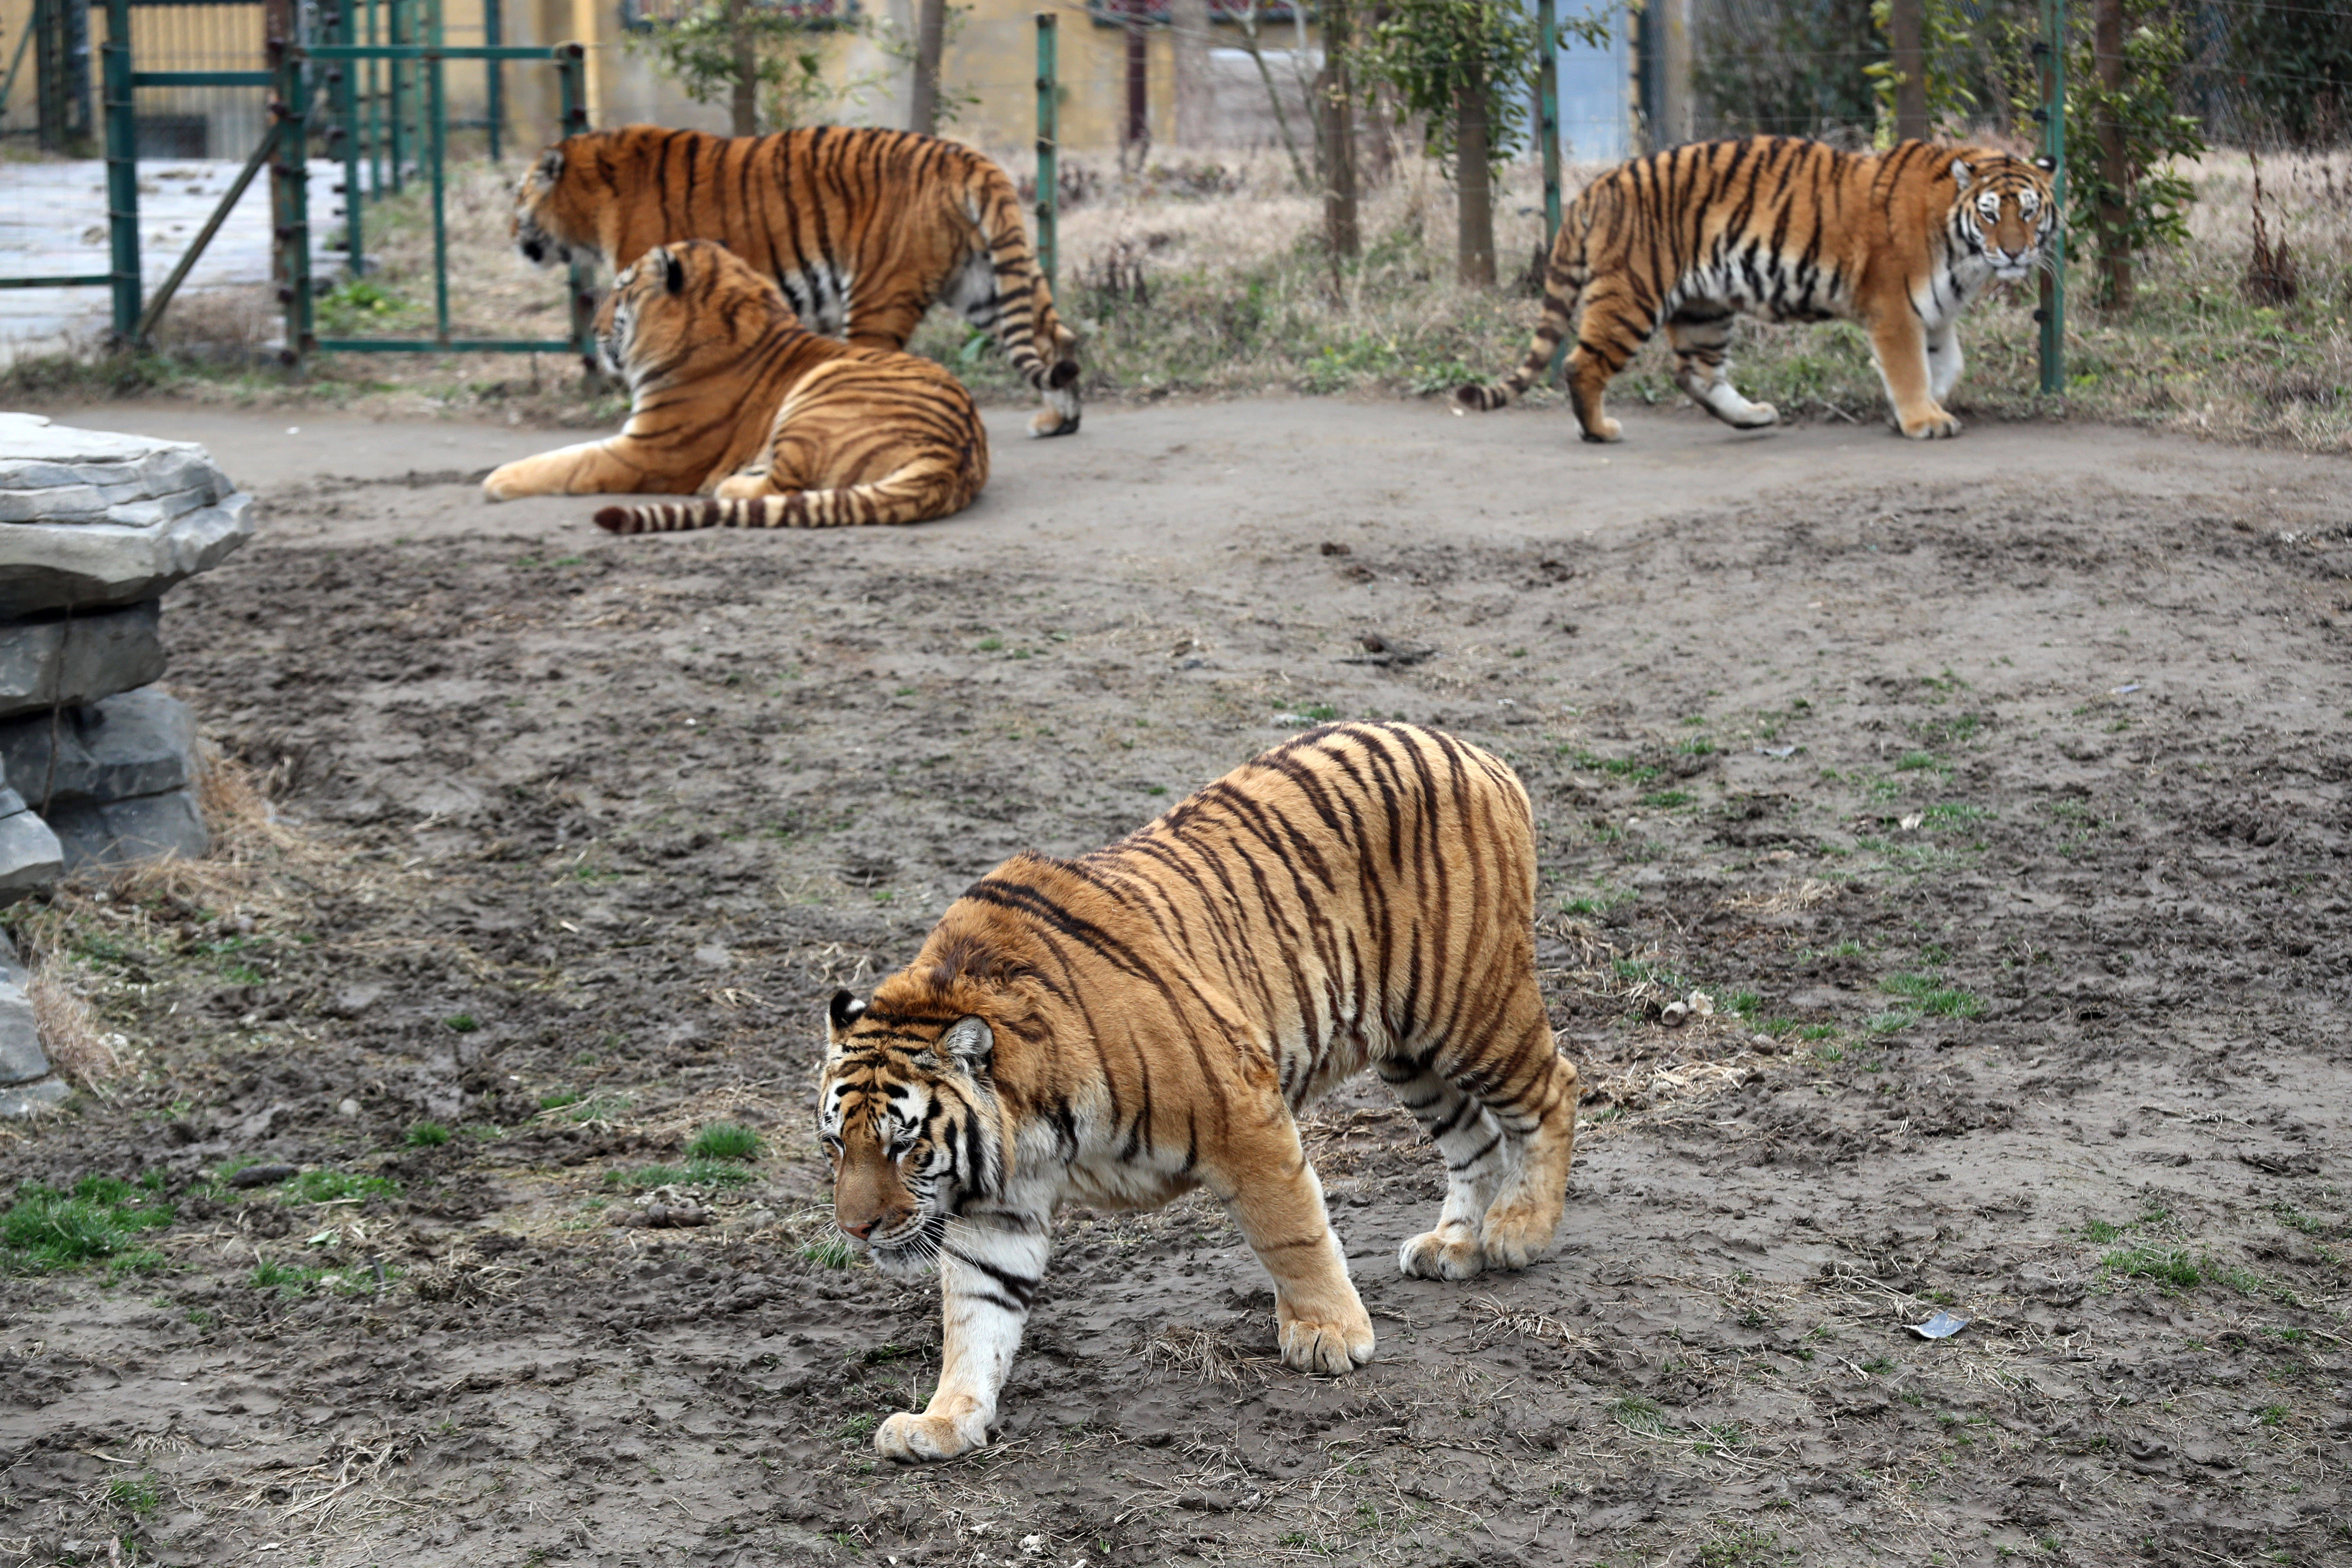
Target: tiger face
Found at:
x=533, y=226
x=682, y=305
x=905, y=1113
x=2006, y=212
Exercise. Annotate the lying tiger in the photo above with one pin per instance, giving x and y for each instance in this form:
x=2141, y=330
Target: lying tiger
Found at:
x=1790, y=231
x=728, y=393
x=863, y=229
x=1120, y=1028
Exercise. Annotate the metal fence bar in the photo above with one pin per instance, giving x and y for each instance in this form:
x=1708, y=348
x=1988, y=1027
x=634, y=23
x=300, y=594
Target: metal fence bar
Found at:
x=436, y=109
x=203, y=78
x=162, y=300
x=121, y=170
x=436, y=345
x=85, y=281
x=571, y=87
x=495, y=70
x=1049, y=179
x=347, y=130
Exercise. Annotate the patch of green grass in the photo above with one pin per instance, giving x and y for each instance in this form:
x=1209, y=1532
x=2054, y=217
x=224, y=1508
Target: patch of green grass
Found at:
x=693, y=1173
x=1878, y=1366
x=1666, y=799
x=1918, y=762
x=2295, y=1218
x=1829, y=1054
x=990, y=645
x=597, y=1108
x=462, y=1023
x=1932, y=996
x=336, y=1186
x=1598, y=903
x=99, y=1218
x=1743, y=1545
x=725, y=1141
x=137, y=1493
x=2273, y=1414
x=427, y=1135
x=2165, y=1265
x=1743, y=1003
x=2101, y=1233
x=299, y=1280
x=859, y=1426
x=1816, y=1032
x=1890, y=1023
x=557, y=1098
x=829, y=1252
x=1632, y=768
x=1636, y=1414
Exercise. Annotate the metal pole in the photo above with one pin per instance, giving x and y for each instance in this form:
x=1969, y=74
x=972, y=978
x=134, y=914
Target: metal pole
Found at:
x=1049, y=175
x=493, y=34
x=437, y=113
x=347, y=114
x=121, y=171
x=375, y=102
x=2053, y=115
x=398, y=31
x=572, y=83
x=289, y=176
x=1547, y=113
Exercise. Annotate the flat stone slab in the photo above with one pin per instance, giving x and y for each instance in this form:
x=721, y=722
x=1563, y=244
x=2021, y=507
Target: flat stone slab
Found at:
x=133, y=743
x=89, y=518
x=125, y=832
x=31, y=858
x=32, y=1099
x=78, y=658
x=21, y=1057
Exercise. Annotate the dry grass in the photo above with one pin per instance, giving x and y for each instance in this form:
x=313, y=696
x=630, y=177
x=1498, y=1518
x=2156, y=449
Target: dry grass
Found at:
x=1207, y=1356
x=89, y=1057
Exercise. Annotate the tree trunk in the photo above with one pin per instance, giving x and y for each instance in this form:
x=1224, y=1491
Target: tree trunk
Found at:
x=931, y=36
x=1135, y=135
x=743, y=102
x=1196, y=100
x=1273, y=93
x=1909, y=52
x=2115, y=166
x=1475, y=230
x=1335, y=97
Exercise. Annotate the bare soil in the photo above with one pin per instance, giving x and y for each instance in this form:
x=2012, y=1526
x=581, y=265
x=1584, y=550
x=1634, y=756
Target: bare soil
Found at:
x=1992, y=794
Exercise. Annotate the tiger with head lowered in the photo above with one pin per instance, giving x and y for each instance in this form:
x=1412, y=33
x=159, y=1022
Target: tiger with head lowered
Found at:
x=1121, y=1028
x=1790, y=231
x=863, y=229
x=729, y=393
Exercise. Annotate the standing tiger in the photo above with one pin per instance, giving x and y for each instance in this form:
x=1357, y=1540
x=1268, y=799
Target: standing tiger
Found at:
x=1790, y=231
x=729, y=393
x=1120, y=1028
x=863, y=229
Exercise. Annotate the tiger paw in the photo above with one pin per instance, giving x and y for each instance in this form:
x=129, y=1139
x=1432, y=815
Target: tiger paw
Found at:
x=1606, y=431
x=750, y=485
x=1046, y=422
x=913, y=1439
x=1514, y=1242
x=1448, y=1253
x=1340, y=1342
x=1933, y=426
x=1758, y=416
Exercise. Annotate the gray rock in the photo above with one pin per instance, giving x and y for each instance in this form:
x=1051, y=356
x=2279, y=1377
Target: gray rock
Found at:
x=88, y=517
x=21, y=1057
x=78, y=658
x=11, y=968
x=32, y=1099
x=122, y=832
x=30, y=856
x=132, y=744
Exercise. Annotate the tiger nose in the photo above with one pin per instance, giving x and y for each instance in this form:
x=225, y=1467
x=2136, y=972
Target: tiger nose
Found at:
x=861, y=1229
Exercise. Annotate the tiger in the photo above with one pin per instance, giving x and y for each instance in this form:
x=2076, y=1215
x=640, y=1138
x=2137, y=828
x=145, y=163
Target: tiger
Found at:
x=863, y=229
x=729, y=393
x=1151, y=1017
x=1788, y=230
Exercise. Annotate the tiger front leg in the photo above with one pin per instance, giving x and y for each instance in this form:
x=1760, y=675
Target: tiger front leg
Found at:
x=989, y=1272
x=1276, y=1199
x=618, y=467
x=1899, y=343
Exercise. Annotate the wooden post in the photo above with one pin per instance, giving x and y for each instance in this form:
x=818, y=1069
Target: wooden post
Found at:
x=1196, y=100
x=930, y=42
x=743, y=102
x=2114, y=167
x=1475, y=228
x=1907, y=45
x=1340, y=231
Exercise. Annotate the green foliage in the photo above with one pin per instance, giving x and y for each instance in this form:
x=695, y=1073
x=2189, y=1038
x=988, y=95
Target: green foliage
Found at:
x=707, y=48
x=1428, y=52
x=2290, y=71
x=427, y=1135
x=2153, y=201
x=137, y=1493
x=101, y=1217
x=2165, y=1265
x=1948, y=43
x=1785, y=69
x=359, y=305
x=831, y=1252
x=725, y=1141
x=1932, y=996
x=335, y=1186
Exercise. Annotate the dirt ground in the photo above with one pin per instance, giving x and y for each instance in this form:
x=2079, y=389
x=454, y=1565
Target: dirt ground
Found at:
x=1992, y=792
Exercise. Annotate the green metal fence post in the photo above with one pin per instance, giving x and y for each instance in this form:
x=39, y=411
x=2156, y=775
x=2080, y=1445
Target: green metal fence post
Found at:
x=436, y=109
x=375, y=102
x=2053, y=313
x=494, y=35
x=1049, y=177
x=572, y=83
x=397, y=30
x=121, y=171
x=347, y=115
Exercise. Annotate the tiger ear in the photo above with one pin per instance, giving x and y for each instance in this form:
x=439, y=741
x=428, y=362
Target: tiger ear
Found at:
x=2046, y=164
x=968, y=1041
x=673, y=272
x=551, y=164
x=844, y=1010
x=1962, y=175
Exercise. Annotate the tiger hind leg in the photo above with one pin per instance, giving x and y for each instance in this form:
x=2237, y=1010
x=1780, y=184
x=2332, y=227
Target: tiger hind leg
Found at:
x=1505, y=1123
x=1701, y=335
x=1613, y=327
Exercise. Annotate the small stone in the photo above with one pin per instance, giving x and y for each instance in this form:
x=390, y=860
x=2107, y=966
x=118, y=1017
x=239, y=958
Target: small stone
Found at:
x=263, y=1175
x=31, y=858
x=348, y=1107
x=713, y=955
x=32, y=1099
x=353, y=1000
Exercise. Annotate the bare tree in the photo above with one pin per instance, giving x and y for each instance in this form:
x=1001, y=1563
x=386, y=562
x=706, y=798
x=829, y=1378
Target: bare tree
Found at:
x=931, y=36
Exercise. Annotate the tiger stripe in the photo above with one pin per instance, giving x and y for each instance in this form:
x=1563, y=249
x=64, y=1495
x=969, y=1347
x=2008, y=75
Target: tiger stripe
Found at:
x=863, y=229
x=1121, y=1028
x=1787, y=230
